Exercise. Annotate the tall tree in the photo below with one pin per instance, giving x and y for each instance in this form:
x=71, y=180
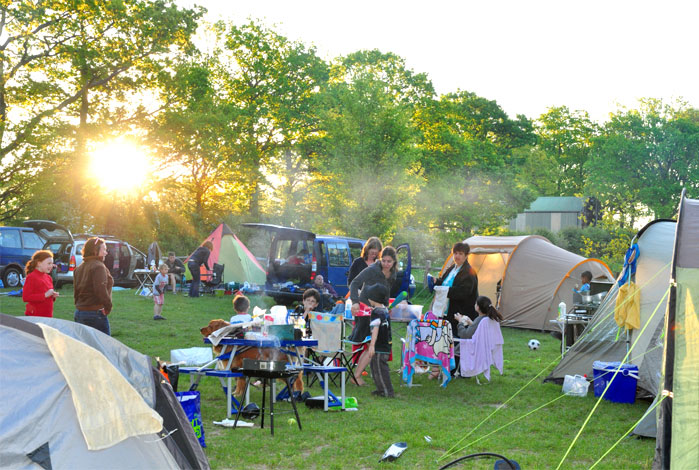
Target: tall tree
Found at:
x=644, y=158
x=566, y=136
x=367, y=152
x=274, y=83
x=55, y=54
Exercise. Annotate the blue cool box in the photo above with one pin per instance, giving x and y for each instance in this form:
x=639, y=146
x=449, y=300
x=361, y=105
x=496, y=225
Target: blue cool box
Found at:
x=623, y=388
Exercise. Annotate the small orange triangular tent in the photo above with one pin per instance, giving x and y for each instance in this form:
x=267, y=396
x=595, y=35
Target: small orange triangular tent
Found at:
x=239, y=263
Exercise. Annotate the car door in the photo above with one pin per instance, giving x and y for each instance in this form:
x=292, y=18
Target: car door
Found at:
x=403, y=270
x=338, y=264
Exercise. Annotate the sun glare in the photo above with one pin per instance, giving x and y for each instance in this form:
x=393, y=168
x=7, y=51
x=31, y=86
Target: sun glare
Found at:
x=120, y=166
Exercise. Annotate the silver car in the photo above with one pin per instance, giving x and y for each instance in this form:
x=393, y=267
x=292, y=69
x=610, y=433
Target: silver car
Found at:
x=122, y=258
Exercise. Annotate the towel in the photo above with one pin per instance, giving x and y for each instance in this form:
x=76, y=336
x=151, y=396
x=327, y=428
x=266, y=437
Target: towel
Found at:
x=627, y=312
x=483, y=350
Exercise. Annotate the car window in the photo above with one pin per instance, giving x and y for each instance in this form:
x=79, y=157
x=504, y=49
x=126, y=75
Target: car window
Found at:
x=355, y=249
x=282, y=250
x=322, y=260
x=79, y=248
x=338, y=254
x=10, y=239
x=124, y=251
x=32, y=240
x=55, y=248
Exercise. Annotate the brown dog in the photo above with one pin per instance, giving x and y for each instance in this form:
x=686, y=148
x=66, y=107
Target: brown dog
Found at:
x=251, y=353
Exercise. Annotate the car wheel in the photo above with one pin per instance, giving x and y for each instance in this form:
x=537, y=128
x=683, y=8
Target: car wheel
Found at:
x=12, y=277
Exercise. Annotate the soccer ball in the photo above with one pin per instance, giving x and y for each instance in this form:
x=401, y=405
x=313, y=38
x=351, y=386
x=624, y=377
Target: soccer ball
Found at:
x=533, y=344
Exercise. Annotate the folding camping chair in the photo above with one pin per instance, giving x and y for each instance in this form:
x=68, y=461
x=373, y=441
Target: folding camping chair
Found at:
x=328, y=329
x=359, y=340
x=212, y=280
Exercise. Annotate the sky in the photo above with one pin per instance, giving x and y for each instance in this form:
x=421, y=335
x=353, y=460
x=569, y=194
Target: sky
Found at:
x=527, y=55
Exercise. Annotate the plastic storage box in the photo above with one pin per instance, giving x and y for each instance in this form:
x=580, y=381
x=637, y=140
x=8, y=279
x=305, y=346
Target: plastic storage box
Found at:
x=623, y=388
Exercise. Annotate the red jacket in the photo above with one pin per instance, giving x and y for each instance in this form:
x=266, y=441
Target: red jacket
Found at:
x=34, y=293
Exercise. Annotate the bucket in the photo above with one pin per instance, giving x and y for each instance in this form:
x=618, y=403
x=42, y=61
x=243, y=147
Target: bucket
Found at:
x=623, y=388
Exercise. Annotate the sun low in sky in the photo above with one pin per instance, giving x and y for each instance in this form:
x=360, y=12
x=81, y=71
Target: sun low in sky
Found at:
x=119, y=166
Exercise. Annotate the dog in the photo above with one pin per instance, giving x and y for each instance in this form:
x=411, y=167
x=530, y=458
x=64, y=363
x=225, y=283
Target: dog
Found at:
x=249, y=353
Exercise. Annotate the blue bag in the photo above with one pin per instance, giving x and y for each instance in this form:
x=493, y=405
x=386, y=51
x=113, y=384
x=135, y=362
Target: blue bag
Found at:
x=191, y=404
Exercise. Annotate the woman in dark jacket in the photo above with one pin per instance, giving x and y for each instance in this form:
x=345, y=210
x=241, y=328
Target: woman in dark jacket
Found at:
x=463, y=286
x=381, y=272
x=199, y=257
x=370, y=252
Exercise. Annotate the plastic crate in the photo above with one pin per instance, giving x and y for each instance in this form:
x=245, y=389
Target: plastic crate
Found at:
x=623, y=388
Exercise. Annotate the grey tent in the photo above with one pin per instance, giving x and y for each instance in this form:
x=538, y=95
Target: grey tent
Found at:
x=539, y=275
x=46, y=423
x=678, y=415
x=535, y=276
x=602, y=340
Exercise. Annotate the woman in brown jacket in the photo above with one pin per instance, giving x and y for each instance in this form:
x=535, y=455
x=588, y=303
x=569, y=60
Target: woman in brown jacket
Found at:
x=93, y=287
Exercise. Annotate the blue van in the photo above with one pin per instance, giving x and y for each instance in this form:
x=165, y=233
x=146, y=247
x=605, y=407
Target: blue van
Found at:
x=297, y=256
x=17, y=245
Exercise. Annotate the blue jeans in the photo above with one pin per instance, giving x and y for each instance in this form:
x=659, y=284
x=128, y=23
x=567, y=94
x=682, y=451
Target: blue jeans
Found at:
x=93, y=318
x=196, y=279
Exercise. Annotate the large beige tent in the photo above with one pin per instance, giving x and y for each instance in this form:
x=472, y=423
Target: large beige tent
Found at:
x=536, y=276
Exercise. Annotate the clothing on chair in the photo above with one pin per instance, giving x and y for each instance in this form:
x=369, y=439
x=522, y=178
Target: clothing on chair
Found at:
x=483, y=350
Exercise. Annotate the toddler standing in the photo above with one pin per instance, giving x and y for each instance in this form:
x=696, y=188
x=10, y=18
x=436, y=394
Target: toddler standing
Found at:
x=159, y=284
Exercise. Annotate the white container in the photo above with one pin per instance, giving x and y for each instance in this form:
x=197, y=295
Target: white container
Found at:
x=348, y=309
x=562, y=309
x=575, y=385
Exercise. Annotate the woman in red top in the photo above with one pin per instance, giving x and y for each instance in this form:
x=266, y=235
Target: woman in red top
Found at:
x=38, y=287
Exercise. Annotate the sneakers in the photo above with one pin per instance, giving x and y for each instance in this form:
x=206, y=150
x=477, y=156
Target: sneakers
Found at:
x=159, y=317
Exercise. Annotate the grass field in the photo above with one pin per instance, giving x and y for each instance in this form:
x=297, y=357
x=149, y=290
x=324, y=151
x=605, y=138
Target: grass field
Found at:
x=336, y=440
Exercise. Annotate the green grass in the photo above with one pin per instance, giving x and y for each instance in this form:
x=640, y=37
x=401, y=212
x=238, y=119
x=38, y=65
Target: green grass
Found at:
x=337, y=440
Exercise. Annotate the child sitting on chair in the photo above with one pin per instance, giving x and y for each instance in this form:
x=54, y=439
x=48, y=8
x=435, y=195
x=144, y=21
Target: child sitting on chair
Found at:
x=381, y=344
x=310, y=301
x=159, y=284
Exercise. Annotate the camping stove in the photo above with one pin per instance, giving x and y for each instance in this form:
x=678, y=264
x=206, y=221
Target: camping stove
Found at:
x=267, y=369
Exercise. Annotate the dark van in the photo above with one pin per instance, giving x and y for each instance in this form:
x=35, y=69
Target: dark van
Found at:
x=17, y=245
x=296, y=256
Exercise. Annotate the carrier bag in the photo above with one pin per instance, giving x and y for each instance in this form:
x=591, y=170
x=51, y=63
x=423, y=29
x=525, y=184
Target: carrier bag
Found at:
x=191, y=404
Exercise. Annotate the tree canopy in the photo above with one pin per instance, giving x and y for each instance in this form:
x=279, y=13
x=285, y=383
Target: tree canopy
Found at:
x=257, y=127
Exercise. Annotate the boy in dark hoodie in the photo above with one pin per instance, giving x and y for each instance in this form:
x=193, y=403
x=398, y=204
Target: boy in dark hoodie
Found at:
x=381, y=344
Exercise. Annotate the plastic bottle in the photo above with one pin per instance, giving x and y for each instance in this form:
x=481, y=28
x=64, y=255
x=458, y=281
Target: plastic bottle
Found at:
x=152, y=265
x=348, y=309
x=562, y=309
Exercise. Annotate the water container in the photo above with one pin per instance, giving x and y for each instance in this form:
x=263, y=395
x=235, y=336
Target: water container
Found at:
x=575, y=385
x=562, y=309
x=348, y=309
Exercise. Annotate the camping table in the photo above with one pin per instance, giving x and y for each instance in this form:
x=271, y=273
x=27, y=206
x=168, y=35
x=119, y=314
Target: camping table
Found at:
x=145, y=280
x=293, y=349
x=567, y=322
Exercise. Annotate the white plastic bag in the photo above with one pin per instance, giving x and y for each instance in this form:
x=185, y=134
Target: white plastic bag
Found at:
x=439, y=306
x=575, y=385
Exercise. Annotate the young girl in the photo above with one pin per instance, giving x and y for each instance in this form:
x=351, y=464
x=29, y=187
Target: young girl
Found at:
x=38, y=290
x=159, y=284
